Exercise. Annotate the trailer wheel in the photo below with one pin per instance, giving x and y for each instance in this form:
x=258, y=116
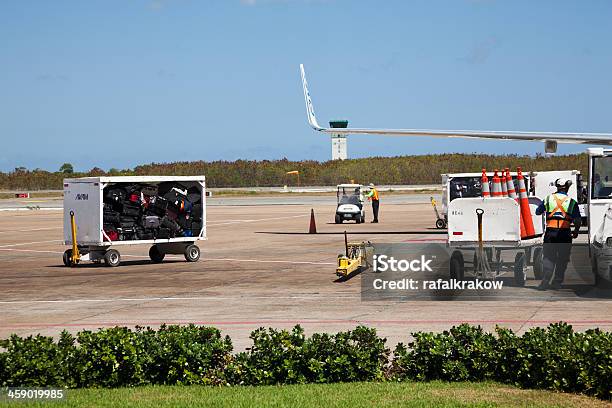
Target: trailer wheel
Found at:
x=440, y=224
x=67, y=257
x=112, y=258
x=358, y=219
x=338, y=219
x=519, y=269
x=155, y=254
x=457, y=270
x=537, y=263
x=363, y=218
x=192, y=253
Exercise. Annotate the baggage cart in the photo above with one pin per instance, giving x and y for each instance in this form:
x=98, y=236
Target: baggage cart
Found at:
x=485, y=239
x=103, y=214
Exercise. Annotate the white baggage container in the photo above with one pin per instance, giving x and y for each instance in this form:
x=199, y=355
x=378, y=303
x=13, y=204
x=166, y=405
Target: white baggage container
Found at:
x=83, y=197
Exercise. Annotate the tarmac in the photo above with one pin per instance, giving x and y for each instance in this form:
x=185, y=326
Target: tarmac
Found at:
x=259, y=268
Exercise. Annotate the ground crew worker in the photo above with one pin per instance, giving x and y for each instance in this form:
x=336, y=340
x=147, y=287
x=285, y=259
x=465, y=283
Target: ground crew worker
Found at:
x=561, y=211
x=373, y=195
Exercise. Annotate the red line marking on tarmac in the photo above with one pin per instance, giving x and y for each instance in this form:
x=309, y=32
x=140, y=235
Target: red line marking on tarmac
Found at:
x=304, y=322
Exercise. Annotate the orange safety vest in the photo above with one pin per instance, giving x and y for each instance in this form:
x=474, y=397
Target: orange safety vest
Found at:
x=558, y=217
x=374, y=194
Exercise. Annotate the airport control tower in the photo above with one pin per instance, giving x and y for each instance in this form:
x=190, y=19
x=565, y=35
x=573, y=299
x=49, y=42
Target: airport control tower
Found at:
x=338, y=141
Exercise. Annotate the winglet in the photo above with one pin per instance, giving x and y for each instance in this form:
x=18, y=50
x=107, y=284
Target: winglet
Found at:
x=312, y=119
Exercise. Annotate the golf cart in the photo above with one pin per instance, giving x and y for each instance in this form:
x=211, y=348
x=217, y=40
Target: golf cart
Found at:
x=350, y=203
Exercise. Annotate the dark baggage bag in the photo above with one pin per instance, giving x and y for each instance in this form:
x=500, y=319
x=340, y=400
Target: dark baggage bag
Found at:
x=130, y=209
x=163, y=233
x=150, y=191
x=111, y=217
x=170, y=224
x=151, y=221
x=159, y=206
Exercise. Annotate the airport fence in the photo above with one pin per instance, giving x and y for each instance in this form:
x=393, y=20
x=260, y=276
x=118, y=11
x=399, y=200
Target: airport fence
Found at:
x=555, y=358
x=423, y=169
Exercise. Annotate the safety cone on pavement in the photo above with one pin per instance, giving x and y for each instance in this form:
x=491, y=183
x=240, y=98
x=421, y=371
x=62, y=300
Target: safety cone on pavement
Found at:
x=504, y=186
x=484, y=181
x=510, y=185
x=313, y=224
x=526, y=219
x=497, y=191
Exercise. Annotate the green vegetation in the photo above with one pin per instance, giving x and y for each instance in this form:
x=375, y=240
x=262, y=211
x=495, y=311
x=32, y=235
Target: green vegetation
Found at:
x=555, y=358
x=407, y=394
x=424, y=169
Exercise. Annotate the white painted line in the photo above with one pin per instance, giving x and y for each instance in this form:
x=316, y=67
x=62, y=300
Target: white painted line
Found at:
x=31, y=230
x=175, y=298
x=33, y=209
x=204, y=258
x=30, y=243
x=257, y=220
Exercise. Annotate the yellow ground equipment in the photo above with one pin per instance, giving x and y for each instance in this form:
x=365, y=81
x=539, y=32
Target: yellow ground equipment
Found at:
x=72, y=256
x=356, y=257
x=440, y=221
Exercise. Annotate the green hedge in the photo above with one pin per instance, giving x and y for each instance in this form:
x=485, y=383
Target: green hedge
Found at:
x=555, y=358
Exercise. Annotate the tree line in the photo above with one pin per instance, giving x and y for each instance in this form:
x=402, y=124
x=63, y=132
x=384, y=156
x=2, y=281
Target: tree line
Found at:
x=422, y=169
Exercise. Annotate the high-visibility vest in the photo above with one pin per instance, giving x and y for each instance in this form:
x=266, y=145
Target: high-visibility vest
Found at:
x=374, y=194
x=558, y=207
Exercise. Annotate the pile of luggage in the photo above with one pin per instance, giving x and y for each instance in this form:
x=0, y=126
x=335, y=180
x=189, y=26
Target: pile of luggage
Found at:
x=146, y=211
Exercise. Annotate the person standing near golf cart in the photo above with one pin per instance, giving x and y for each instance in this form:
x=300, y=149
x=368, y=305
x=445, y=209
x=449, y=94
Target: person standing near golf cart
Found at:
x=373, y=195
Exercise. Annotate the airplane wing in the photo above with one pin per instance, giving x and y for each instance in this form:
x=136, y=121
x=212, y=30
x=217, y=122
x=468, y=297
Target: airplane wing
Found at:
x=550, y=138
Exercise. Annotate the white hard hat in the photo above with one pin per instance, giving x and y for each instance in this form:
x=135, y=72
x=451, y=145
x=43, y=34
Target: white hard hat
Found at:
x=371, y=184
x=563, y=182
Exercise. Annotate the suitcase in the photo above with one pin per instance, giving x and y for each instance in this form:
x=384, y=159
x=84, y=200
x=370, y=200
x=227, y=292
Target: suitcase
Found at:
x=114, y=195
x=163, y=233
x=170, y=224
x=159, y=206
x=151, y=221
x=111, y=234
x=130, y=209
x=111, y=217
x=150, y=191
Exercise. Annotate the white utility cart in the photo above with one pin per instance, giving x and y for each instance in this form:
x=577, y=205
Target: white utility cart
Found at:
x=350, y=203
x=166, y=212
x=492, y=246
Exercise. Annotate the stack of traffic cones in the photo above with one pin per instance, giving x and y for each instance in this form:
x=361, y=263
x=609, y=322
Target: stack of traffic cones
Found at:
x=497, y=190
x=527, y=230
x=510, y=185
x=504, y=185
x=485, y=184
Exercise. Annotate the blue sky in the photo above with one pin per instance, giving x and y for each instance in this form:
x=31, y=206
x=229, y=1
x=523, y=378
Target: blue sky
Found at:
x=118, y=83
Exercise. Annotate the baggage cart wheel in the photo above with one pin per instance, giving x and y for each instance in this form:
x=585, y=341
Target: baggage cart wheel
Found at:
x=457, y=270
x=520, y=273
x=67, y=257
x=112, y=258
x=358, y=219
x=537, y=263
x=338, y=219
x=363, y=219
x=155, y=254
x=192, y=253
x=440, y=224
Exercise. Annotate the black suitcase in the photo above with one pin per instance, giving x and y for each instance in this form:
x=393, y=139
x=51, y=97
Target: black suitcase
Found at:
x=170, y=224
x=159, y=206
x=130, y=209
x=163, y=233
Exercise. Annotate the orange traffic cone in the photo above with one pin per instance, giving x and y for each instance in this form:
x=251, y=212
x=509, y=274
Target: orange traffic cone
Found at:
x=524, y=203
x=510, y=185
x=504, y=185
x=497, y=191
x=484, y=180
x=313, y=224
